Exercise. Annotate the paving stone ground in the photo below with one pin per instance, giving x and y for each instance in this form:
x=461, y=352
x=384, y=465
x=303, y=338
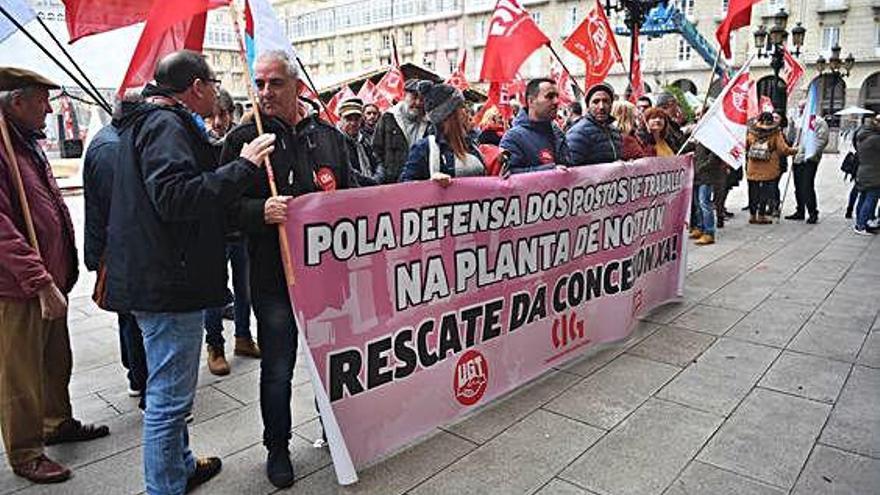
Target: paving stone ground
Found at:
x=764, y=379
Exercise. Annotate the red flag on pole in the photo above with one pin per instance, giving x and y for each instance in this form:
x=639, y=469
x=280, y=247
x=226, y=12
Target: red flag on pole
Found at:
x=792, y=71
x=85, y=17
x=367, y=93
x=739, y=14
x=563, y=84
x=635, y=68
x=343, y=94
x=593, y=42
x=167, y=30
x=458, y=79
x=390, y=87
x=513, y=36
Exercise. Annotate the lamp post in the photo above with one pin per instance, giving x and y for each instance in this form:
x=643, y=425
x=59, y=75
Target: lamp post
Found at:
x=771, y=44
x=635, y=13
x=837, y=68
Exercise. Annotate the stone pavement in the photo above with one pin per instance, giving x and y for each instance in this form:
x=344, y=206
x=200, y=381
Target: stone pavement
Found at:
x=764, y=380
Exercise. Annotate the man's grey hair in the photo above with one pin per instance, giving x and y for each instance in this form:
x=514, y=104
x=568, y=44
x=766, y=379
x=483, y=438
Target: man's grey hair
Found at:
x=6, y=97
x=283, y=57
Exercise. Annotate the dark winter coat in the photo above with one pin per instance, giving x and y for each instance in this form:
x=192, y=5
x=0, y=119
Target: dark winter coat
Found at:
x=302, y=154
x=166, y=249
x=23, y=272
x=375, y=173
x=534, y=145
x=709, y=169
x=98, y=164
x=390, y=145
x=590, y=142
x=868, y=150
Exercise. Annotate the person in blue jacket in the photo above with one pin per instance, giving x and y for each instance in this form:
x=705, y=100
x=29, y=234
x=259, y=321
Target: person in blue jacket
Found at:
x=595, y=138
x=534, y=141
x=449, y=153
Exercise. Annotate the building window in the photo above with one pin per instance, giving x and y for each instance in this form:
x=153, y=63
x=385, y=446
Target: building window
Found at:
x=536, y=16
x=385, y=60
x=684, y=50
x=452, y=34
x=773, y=6
x=830, y=37
x=480, y=30
x=428, y=61
x=330, y=50
x=430, y=36
x=686, y=6
x=349, y=50
x=386, y=41
x=313, y=52
x=876, y=35
x=452, y=60
x=724, y=5
x=571, y=19
x=407, y=38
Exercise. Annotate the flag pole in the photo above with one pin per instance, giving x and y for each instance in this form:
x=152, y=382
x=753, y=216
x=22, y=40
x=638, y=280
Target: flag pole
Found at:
x=95, y=93
x=711, y=78
x=565, y=68
x=19, y=185
x=313, y=88
x=57, y=62
x=267, y=164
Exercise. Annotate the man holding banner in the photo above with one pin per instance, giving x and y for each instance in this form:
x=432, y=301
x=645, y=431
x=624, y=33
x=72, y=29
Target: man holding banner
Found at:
x=310, y=156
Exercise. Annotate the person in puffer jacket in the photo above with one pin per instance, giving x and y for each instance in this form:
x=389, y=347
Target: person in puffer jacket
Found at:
x=594, y=139
x=534, y=141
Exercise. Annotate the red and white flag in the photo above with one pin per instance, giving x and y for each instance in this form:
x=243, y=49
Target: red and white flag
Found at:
x=563, y=84
x=593, y=42
x=792, y=71
x=458, y=79
x=635, y=68
x=343, y=94
x=85, y=17
x=167, y=30
x=513, y=36
x=723, y=128
x=739, y=14
x=390, y=87
x=367, y=93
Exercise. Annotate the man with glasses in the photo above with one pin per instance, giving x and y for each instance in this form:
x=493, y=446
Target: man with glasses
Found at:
x=166, y=252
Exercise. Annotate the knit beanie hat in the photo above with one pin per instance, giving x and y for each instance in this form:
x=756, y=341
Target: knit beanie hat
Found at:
x=440, y=101
x=599, y=87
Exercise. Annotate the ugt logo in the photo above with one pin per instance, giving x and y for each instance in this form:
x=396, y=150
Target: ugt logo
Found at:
x=507, y=14
x=471, y=378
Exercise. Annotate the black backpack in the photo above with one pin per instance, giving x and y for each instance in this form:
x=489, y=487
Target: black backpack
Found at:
x=850, y=164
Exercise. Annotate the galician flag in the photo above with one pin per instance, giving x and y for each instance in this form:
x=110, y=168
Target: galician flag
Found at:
x=263, y=31
x=808, y=120
x=21, y=11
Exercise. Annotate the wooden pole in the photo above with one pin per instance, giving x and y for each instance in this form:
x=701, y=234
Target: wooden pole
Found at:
x=19, y=184
x=267, y=164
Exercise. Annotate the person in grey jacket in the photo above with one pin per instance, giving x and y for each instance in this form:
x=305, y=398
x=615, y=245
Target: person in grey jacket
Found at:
x=805, y=168
x=593, y=139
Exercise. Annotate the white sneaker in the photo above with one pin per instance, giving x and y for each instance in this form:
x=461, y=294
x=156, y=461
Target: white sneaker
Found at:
x=862, y=232
x=132, y=392
x=874, y=224
x=189, y=418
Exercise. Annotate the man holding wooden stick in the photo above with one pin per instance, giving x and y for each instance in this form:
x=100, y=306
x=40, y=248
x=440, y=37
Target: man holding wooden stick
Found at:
x=38, y=268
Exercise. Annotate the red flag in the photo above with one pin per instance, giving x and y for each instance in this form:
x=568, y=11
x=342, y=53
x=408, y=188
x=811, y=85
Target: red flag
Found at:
x=306, y=92
x=391, y=87
x=367, y=93
x=563, y=84
x=593, y=41
x=792, y=71
x=343, y=94
x=458, y=79
x=513, y=36
x=167, y=30
x=739, y=14
x=85, y=17
x=635, y=68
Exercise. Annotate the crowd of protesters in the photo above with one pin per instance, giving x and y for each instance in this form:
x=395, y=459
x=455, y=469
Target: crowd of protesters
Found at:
x=176, y=189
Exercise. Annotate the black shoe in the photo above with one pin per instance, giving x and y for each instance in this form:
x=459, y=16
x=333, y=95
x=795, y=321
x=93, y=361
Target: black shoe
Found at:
x=279, y=468
x=206, y=468
x=795, y=216
x=229, y=312
x=814, y=219
x=729, y=214
x=71, y=431
x=848, y=214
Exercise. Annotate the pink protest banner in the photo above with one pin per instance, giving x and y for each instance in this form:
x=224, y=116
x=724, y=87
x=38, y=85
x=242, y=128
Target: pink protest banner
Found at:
x=419, y=303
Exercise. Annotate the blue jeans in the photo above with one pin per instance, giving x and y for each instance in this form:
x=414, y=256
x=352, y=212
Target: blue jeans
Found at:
x=865, y=209
x=853, y=197
x=237, y=256
x=276, y=335
x=707, y=209
x=172, y=342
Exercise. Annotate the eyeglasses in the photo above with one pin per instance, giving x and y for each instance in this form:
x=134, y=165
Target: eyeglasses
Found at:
x=215, y=82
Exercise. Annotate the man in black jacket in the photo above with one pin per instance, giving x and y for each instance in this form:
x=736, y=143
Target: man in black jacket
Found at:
x=400, y=128
x=309, y=156
x=165, y=255
x=366, y=169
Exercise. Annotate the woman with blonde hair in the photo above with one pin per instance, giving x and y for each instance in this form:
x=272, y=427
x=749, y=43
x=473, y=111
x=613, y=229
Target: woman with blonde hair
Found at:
x=491, y=127
x=625, y=119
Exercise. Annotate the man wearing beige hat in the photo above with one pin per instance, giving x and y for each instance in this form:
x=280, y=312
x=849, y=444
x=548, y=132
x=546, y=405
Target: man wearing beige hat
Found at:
x=38, y=268
x=366, y=168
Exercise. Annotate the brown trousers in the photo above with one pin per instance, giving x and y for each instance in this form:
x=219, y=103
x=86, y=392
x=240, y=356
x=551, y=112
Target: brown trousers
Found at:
x=35, y=366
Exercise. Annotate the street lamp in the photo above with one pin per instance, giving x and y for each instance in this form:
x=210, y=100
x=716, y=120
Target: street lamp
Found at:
x=771, y=44
x=635, y=13
x=837, y=68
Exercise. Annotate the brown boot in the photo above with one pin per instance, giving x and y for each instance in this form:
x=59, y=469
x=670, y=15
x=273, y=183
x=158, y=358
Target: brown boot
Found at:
x=206, y=468
x=705, y=240
x=762, y=220
x=753, y=220
x=246, y=347
x=42, y=470
x=217, y=363
x=696, y=233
